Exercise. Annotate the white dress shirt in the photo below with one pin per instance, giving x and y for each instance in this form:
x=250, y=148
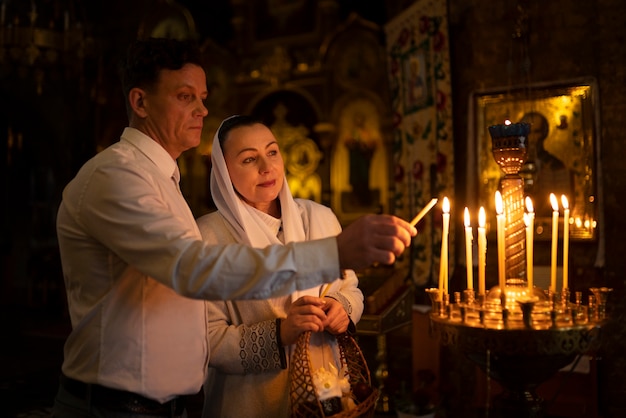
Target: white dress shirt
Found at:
x=136, y=269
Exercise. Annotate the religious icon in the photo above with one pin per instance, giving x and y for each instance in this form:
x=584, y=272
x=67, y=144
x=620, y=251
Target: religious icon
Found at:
x=359, y=178
x=561, y=149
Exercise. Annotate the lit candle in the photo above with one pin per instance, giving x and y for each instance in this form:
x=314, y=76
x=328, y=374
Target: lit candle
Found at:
x=529, y=221
x=555, y=239
x=482, y=250
x=500, y=236
x=443, y=266
x=565, y=204
x=468, y=250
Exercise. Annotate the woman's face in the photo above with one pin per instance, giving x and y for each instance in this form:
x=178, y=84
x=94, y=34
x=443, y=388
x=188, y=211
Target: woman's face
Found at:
x=255, y=165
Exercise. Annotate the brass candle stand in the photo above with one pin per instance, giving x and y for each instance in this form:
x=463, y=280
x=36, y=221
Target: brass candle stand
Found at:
x=523, y=343
x=520, y=336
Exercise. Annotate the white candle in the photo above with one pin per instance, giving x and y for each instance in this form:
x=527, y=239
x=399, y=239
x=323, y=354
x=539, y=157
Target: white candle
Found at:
x=424, y=211
x=443, y=266
x=500, y=236
x=482, y=250
x=468, y=250
x=565, y=204
x=555, y=239
x=529, y=221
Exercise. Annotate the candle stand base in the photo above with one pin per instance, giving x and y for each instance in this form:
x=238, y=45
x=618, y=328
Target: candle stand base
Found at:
x=518, y=359
x=520, y=346
x=519, y=376
x=512, y=405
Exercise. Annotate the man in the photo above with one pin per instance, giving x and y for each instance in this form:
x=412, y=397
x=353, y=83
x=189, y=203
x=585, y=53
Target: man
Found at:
x=136, y=269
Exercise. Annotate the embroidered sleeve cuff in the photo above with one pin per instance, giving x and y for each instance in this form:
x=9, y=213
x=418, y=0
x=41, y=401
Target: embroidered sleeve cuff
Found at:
x=279, y=342
x=260, y=349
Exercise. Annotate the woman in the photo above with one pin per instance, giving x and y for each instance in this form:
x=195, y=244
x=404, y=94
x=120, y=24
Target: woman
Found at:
x=251, y=341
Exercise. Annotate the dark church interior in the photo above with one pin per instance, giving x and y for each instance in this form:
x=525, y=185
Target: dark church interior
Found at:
x=414, y=84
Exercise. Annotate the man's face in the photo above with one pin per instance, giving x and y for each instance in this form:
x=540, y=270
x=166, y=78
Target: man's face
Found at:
x=174, y=109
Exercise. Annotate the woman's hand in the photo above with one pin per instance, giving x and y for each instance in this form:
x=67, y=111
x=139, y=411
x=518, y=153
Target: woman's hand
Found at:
x=337, y=319
x=305, y=314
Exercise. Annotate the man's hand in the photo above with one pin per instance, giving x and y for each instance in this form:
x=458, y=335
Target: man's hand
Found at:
x=373, y=239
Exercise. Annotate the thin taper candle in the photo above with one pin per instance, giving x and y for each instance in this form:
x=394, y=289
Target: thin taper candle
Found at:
x=500, y=236
x=555, y=239
x=565, y=204
x=529, y=221
x=443, y=267
x=325, y=290
x=424, y=211
x=482, y=250
x=468, y=250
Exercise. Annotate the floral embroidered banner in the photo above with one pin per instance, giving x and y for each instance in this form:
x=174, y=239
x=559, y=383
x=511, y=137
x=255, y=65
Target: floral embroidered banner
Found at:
x=423, y=147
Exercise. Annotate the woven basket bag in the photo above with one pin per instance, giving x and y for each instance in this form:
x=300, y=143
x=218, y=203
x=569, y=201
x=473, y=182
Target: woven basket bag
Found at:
x=304, y=402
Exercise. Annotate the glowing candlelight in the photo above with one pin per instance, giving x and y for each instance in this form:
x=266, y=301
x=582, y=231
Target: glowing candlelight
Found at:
x=500, y=236
x=565, y=204
x=529, y=221
x=443, y=266
x=482, y=250
x=555, y=238
x=468, y=250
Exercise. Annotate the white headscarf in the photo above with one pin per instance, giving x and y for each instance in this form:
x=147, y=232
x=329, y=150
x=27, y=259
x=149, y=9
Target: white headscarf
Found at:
x=242, y=217
x=248, y=227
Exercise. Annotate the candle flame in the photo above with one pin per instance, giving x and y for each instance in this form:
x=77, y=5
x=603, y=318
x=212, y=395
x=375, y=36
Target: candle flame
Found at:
x=482, y=217
x=564, y=202
x=526, y=219
x=529, y=205
x=466, y=217
x=499, y=202
x=446, y=205
x=554, y=202
x=507, y=122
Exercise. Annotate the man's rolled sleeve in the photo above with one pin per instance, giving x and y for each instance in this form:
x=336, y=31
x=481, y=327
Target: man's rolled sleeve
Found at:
x=308, y=255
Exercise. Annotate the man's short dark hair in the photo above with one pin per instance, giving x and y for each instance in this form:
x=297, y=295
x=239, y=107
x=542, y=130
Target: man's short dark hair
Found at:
x=147, y=57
